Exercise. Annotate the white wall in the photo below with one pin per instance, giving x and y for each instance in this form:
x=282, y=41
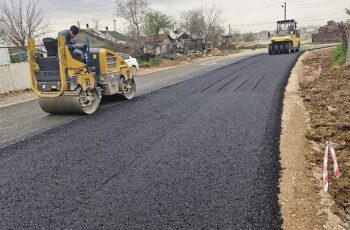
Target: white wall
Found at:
x=14, y=77
x=4, y=52
x=4, y=56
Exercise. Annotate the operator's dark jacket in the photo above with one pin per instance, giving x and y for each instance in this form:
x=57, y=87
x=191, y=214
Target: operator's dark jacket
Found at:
x=66, y=35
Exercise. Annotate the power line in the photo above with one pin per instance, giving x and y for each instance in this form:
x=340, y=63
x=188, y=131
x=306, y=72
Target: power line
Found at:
x=274, y=7
x=311, y=17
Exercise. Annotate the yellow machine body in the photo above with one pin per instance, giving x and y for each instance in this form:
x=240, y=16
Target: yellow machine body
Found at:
x=65, y=84
x=287, y=38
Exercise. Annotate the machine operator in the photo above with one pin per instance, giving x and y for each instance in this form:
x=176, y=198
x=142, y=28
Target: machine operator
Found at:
x=69, y=35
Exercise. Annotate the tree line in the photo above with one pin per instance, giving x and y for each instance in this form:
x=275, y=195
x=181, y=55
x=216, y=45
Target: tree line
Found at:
x=26, y=19
x=142, y=19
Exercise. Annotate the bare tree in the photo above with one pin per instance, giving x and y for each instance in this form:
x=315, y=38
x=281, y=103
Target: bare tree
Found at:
x=204, y=23
x=134, y=12
x=193, y=22
x=249, y=37
x=96, y=23
x=25, y=18
x=236, y=34
x=132, y=41
x=213, y=24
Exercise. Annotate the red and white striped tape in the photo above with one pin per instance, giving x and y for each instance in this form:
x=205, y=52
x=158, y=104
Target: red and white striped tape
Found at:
x=329, y=147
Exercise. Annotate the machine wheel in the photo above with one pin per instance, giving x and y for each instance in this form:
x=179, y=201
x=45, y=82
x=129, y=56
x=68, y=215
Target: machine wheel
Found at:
x=270, y=49
x=127, y=88
x=275, y=49
x=86, y=102
x=281, y=48
x=133, y=71
x=287, y=48
x=89, y=102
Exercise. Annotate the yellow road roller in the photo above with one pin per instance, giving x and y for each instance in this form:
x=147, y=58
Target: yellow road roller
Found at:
x=67, y=84
x=287, y=39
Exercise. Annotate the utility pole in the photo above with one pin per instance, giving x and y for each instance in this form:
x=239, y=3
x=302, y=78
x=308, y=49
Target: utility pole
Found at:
x=79, y=24
x=285, y=10
x=115, y=27
x=229, y=29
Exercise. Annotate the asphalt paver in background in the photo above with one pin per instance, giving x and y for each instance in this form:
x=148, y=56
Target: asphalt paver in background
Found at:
x=200, y=154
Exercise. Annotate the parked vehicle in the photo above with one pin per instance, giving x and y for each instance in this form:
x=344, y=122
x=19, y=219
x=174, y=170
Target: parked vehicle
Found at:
x=132, y=63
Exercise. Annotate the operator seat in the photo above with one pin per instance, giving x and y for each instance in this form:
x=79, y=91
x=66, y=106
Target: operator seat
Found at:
x=50, y=62
x=51, y=46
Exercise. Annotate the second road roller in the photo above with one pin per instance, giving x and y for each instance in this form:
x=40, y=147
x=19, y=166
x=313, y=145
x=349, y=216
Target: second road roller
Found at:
x=287, y=39
x=66, y=84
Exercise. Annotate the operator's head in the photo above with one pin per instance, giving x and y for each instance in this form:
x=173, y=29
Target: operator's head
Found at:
x=73, y=31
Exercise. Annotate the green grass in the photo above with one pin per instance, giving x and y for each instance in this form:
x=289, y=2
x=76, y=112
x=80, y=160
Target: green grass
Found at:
x=156, y=60
x=339, y=56
x=152, y=62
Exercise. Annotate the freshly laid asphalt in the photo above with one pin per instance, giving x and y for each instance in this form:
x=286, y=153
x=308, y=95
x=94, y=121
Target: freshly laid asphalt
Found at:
x=200, y=154
x=20, y=121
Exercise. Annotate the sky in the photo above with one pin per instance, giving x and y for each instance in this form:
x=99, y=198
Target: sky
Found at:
x=246, y=16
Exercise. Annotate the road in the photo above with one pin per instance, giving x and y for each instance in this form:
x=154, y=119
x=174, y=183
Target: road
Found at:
x=26, y=119
x=23, y=120
x=202, y=153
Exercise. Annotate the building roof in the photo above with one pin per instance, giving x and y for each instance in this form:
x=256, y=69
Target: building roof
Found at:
x=159, y=38
x=179, y=34
x=108, y=41
x=118, y=36
x=98, y=34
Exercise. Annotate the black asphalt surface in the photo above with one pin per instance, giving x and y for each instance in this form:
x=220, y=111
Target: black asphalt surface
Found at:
x=200, y=154
x=20, y=121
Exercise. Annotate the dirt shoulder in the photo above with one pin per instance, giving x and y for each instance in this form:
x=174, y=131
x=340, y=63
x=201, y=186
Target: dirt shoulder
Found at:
x=304, y=205
x=170, y=64
x=16, y=98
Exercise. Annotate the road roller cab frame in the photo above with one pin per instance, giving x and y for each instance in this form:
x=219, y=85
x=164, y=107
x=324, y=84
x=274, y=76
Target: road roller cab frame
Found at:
x=287, y=39
x=65, y=84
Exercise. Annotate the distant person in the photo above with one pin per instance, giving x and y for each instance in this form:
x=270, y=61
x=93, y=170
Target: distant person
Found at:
x=69, y=35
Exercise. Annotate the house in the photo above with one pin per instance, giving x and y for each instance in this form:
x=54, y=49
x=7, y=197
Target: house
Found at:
x=178, y=41
x=158, y=44
x=328, y=33
x=263, y=35
x=184, y=42
x=308, y=30
x=116, y=35
x=98, y=39
x=181, y=40
x=227, y=38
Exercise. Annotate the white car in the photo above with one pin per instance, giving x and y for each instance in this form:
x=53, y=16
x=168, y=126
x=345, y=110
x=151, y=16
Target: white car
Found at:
x=132, y=63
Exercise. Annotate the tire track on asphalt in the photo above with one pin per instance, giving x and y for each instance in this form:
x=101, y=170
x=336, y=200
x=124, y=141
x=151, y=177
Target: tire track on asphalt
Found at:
x=258, y=82
x=228, y=83
x=242, y=83
x=232, y=74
